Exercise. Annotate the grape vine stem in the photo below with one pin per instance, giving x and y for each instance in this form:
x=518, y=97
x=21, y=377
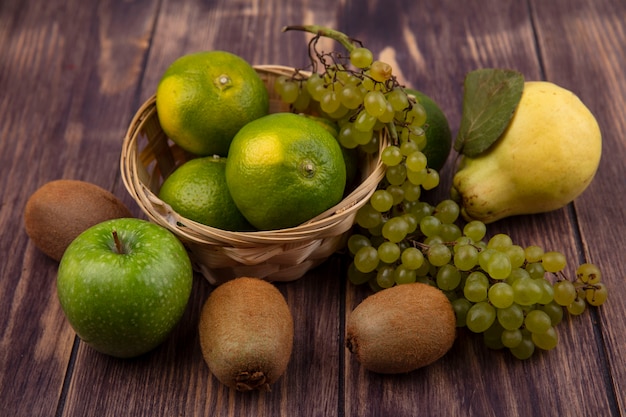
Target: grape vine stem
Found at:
x=346, y=41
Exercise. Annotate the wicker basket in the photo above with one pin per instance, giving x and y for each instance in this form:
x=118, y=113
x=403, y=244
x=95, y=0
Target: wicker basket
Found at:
x=148, y=157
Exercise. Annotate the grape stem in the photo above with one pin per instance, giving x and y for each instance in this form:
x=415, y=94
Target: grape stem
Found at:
x=346, y=41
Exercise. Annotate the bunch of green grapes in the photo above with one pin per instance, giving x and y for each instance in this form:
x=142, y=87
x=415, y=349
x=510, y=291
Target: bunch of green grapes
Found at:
x=357, y=92
x=514, y=296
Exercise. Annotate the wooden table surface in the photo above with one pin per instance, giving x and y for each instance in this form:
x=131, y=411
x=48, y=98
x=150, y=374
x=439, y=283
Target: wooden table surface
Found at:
x=72, y=74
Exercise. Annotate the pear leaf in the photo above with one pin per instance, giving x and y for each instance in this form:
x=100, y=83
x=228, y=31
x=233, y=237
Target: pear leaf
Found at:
x=490, y=98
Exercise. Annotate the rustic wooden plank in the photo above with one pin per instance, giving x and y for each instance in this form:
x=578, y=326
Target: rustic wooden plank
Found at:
x=73, y=74
x=589, y=58
x=68, y=78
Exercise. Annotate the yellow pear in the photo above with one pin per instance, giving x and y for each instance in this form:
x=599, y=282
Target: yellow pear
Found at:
x=546, y=157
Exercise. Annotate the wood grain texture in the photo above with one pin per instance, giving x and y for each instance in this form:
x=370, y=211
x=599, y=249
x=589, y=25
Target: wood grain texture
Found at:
x=73, y=73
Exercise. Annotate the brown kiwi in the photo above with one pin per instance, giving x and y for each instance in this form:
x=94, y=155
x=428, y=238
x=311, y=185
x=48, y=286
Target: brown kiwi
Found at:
x=246, y=333
x=62, y=209
x=402, y=328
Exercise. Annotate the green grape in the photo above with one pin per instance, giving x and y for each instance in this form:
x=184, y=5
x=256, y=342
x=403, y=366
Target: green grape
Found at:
x=526, y=292
x=475, y=291
x=577, y=307
x=498, y=265
x=439, y=254
x=303, y=100
x=533, y=253
x=398, y=99
x=480, y=317
x=404, y=275
x=535, y=269
x=449, y=232
x=388, y=116
x=499, y=241
x=564, y=292
x=424, y=269
x=465, y=257
x=371, y=147
x=517, y=273
x=350, y=96
x=366, y=259
x=391, y=155
x=431, y=240
x=411, y=221
x=492, y=337
x=380, y=71
x=385, y=276
x=339, y=113
x=546, y=340
x=596, y=294
x=501, y=295
x=412, y=258
x=416, y=161
x=395, y=229
x=396, y=175
x=476, y=286
x=421, y=209
x=511, y=338
x=430, y=225
x=588, y=273
x=524, y=349
x=362, y=138
x=448, y=278
x=547, y=290
x=361, y=57
x=388, y=252
x=417, y=177
x=397, y=193
x=364, y=121
x=511, y=317
x=381, y=200
x=537, y=321
x=461, y=307
x=432, y=179
x=329, y=101
x=346, y=136
x=554, y=310
x=516, y=254
x=475, y=230
x=357, y=277
x=412, y=192
x=462, y=241
x=368, y=217
x=553, y=261
x=483, y=258
x=408, y=147
x=447, y=211
x=417, y=115
x=375, y=103
x=316, y=87
x=357, y=241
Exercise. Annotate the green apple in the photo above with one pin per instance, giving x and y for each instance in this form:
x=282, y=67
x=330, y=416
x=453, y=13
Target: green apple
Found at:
x=123, y=285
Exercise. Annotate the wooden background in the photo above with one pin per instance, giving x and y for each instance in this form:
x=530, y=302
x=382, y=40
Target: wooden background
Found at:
x=72, y=74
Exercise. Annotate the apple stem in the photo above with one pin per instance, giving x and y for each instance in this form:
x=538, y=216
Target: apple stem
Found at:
x=118, y=244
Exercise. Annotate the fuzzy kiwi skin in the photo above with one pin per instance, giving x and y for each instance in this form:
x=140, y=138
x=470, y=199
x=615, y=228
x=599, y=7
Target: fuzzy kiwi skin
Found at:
x=62, y=209
x=246, y=334
x=402, y=328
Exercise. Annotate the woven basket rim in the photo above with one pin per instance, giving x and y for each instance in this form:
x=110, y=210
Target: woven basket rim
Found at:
x=200, y=233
